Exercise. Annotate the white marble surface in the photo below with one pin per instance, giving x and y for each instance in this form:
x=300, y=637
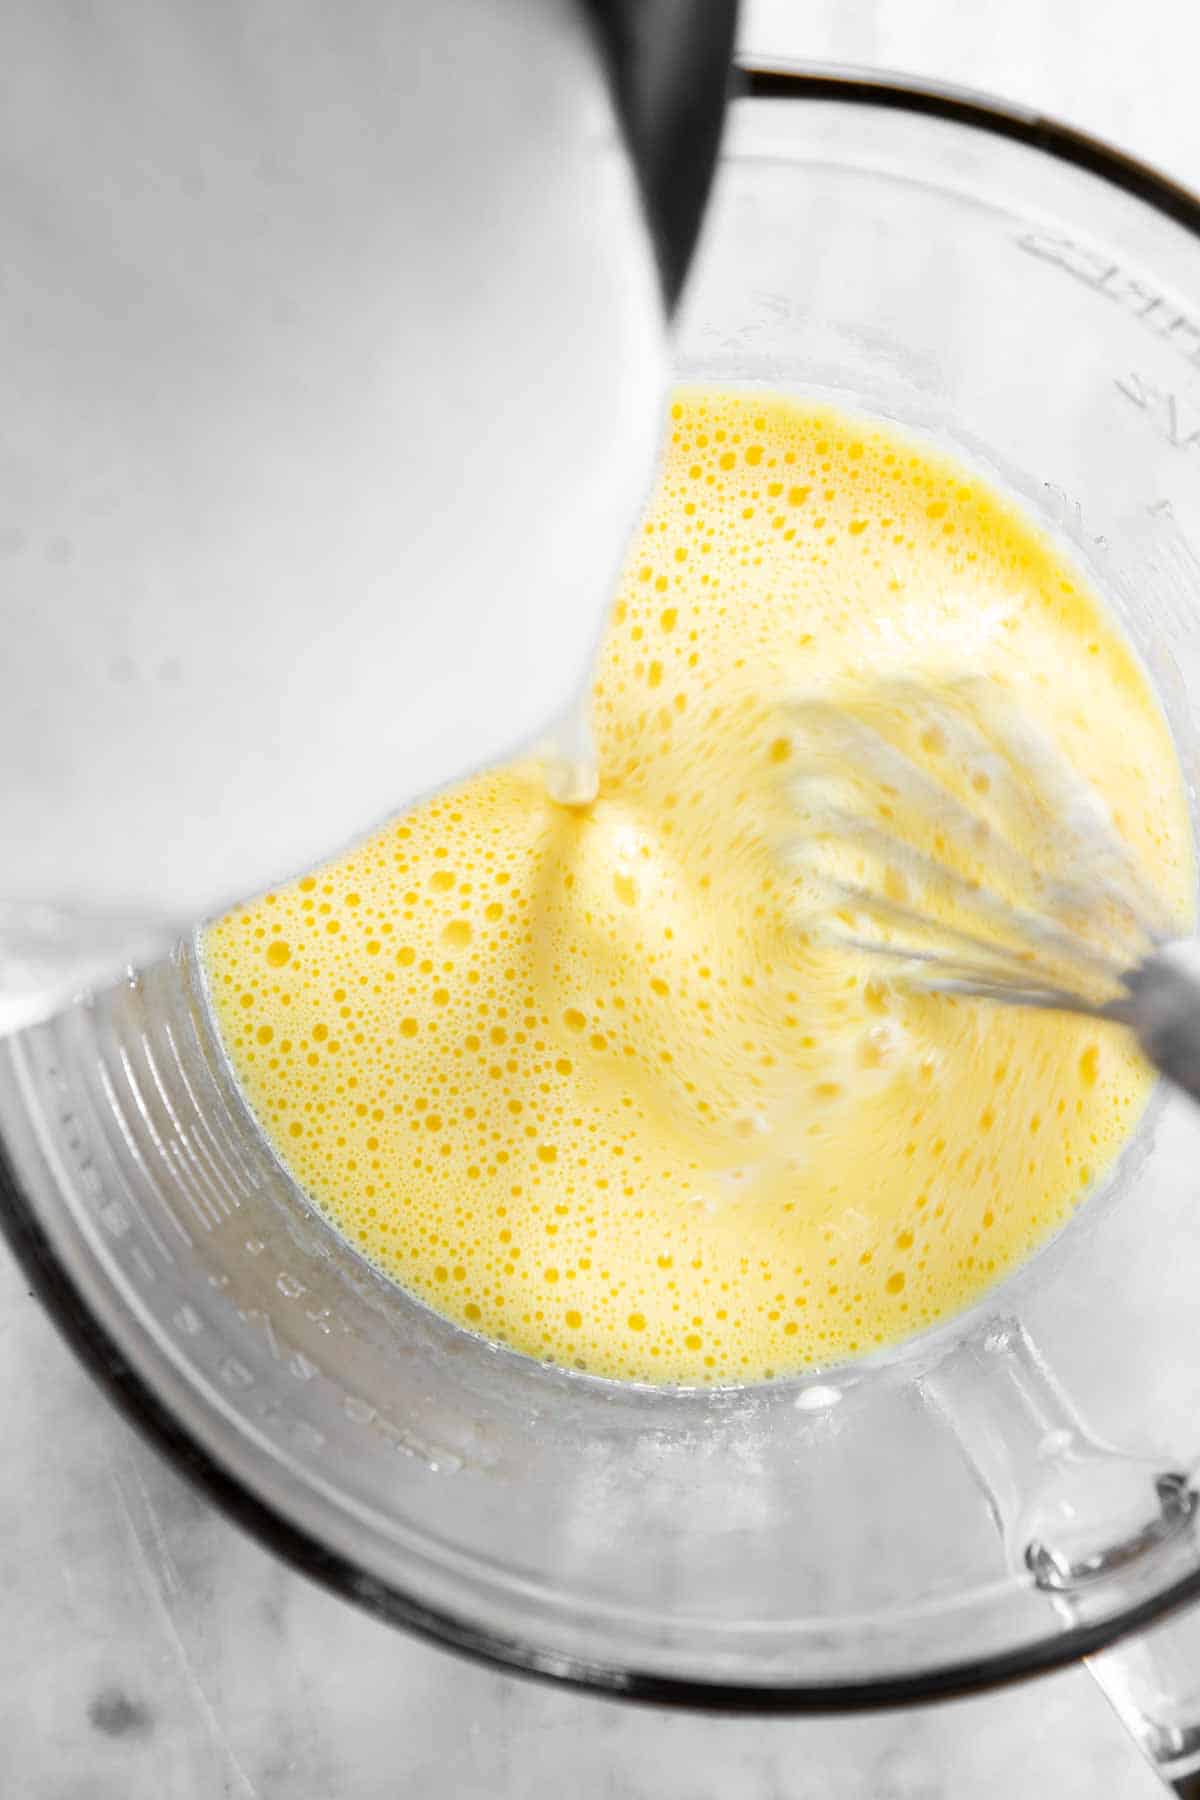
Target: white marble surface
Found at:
x=151, y=1652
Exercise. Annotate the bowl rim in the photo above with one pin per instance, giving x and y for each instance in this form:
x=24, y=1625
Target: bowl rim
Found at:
x=770, y=79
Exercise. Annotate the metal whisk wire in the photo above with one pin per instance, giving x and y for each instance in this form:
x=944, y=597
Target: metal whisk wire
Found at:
x=949, y=836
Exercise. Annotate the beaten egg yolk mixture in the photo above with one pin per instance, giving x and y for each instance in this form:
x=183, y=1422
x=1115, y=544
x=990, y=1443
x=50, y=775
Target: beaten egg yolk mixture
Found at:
x=581, y=1079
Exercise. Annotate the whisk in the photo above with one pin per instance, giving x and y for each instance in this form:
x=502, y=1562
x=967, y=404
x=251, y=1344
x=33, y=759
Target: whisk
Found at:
x=942, y=830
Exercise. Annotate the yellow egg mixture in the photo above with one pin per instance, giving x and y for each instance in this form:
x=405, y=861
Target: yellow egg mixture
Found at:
x=582, y=1079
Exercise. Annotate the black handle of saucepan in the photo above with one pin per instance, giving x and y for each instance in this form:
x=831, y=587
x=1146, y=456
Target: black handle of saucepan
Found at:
x=669, y=63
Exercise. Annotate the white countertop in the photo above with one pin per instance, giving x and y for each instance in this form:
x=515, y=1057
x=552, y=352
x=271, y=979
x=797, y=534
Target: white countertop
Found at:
x=152, y=1652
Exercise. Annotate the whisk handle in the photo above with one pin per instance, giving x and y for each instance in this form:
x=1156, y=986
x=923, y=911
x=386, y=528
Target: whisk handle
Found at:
x=1164, y=1011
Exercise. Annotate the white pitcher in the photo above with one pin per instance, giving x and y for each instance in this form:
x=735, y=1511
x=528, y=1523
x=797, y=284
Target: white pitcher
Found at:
x=331, y=355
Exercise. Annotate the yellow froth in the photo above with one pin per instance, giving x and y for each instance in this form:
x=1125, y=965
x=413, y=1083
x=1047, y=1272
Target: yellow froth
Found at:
x=579, y=1079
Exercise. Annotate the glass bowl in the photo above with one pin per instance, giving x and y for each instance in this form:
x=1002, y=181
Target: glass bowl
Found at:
x=1033, y=299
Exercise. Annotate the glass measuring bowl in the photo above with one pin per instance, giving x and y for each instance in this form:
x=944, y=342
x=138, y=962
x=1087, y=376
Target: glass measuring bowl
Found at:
x=1033, y=299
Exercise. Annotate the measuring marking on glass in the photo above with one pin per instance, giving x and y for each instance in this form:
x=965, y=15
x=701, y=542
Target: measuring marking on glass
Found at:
x=1176, y=420
x=1096, y=270
x=1067, y=511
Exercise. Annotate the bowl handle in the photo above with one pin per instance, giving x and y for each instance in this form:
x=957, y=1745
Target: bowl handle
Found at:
x=1100, y=1532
